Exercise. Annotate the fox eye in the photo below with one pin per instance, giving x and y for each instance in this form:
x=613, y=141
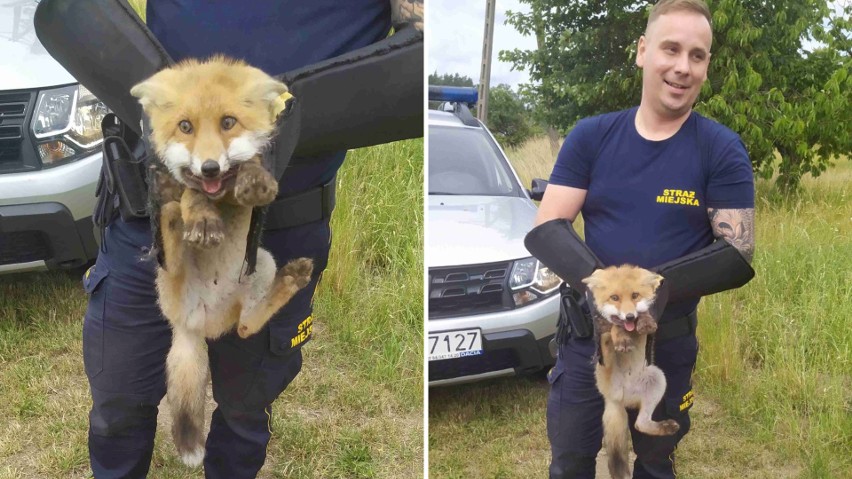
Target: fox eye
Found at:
x=614, y=297
x=228, y=122
x=185, y=126
x=635, y=296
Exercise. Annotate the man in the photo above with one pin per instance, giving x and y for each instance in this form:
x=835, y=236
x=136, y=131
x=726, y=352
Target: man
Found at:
x=125, y=337
x=655, y=184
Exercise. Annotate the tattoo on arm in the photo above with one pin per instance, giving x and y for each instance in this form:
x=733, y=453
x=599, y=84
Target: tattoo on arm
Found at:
x=407, y=11
x=736, y=226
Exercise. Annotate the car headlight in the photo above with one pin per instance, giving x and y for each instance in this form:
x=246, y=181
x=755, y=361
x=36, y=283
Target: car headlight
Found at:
x=530, y=281
x=67, y=124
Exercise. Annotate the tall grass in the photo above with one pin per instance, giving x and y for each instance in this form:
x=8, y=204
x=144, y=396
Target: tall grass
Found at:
x=355, y=410
x=776, y=355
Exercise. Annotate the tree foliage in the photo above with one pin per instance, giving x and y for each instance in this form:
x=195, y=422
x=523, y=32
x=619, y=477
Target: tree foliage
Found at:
x=766, y=81
x=508, y=117
x=447, y=79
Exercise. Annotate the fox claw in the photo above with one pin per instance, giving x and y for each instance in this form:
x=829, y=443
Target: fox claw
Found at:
x=205, y=233
x=624, y=345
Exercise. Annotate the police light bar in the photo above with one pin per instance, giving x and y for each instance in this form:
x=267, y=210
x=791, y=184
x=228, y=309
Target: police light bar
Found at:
x=453, y=94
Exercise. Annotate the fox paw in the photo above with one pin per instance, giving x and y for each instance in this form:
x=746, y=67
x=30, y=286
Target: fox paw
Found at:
x=254, y=186
x=205, y=233
x=300, y=270
x=646, y=324
x=669, y=427
x=623, y=344
x=166, y=186
x=246, y=330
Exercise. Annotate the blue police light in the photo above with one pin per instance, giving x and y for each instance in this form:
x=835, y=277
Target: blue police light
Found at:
x=453, y=94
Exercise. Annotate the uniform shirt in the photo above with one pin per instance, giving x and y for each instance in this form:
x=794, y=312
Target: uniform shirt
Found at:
x=646, y=201
x=276, y=36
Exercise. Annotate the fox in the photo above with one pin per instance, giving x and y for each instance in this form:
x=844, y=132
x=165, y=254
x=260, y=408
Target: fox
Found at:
x=210, y=121
x=622, y=296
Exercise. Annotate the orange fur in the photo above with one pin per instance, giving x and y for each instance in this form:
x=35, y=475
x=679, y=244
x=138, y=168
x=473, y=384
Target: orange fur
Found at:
x=622, y=296
x=216, y=111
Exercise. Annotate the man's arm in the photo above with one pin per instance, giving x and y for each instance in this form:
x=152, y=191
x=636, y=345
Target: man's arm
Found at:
x=407, y=11
x=560, y=202
x=736, y=226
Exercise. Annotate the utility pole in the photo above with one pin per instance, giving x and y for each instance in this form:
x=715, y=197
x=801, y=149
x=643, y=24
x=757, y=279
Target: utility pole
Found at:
x=485, y=71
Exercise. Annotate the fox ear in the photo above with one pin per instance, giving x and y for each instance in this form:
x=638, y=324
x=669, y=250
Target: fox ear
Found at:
x=153, y=93
x=653, y=279
x=594, y=280
x=267, y=89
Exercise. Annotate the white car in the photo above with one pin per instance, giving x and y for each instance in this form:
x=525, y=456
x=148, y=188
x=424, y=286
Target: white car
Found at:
x=493, y=308
x=50, y=160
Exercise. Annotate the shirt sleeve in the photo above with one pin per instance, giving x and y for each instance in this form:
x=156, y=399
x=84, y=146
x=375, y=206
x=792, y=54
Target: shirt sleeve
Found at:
x=731, y=180
x=574, y=162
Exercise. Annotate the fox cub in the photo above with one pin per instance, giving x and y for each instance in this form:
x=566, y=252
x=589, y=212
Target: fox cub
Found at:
x=622, y=296
x=210, y=122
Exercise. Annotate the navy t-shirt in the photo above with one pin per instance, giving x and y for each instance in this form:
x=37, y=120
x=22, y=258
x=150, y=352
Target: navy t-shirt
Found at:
x=646, y=201
x=276, y=36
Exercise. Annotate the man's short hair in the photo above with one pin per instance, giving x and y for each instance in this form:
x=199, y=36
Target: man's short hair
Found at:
x=668, y=6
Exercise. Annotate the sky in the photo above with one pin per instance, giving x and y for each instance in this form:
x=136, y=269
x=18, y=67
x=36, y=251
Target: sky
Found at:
x=455, y=33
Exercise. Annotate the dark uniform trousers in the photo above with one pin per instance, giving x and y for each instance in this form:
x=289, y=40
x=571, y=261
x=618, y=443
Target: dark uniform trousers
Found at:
x=575, y=409
x=126, y=340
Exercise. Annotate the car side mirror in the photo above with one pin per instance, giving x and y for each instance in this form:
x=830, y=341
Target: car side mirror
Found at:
x=538, y=187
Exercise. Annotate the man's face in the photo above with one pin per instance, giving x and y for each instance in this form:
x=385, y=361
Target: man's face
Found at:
x=674, y=54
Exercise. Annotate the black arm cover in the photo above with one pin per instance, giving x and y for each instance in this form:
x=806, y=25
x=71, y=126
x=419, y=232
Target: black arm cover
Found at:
x=557, y=246
x=365, y=97
x=713, y=269
x=107, y=48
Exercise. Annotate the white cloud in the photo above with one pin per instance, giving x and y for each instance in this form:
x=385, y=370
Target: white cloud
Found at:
x=454, y=38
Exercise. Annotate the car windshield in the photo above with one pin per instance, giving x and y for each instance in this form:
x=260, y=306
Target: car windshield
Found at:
x=465, y=161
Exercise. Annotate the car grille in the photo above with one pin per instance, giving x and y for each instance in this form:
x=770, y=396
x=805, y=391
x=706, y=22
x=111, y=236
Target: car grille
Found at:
x=23, y=247
x=468, y=290
x=16, y=152
x=465, y=366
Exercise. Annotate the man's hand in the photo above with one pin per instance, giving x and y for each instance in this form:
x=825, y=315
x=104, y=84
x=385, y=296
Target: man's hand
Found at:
x=407, y=11
x=736, y=226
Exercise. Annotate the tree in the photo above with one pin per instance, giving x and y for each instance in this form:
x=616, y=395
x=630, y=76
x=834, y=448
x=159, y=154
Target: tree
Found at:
x=763, y=83
x=508, y=117
x=447, y=79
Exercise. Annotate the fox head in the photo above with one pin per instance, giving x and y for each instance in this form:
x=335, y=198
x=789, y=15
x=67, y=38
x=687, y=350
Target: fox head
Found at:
x=622, y=293
x=207, y=117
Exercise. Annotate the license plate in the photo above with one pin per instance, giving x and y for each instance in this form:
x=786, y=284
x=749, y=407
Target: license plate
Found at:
x=454, y=344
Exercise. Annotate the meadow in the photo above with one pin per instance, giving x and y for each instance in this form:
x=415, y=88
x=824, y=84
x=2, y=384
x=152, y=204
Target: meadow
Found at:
x=774, y=373
x=355, y=410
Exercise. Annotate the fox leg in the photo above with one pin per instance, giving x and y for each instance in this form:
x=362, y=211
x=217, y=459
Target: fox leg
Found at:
x=292, y=277
x=203, y=225
x=622, y=340
x=171, y=226
x=654, y=383
x=615, y=439
x=187, y=373
x=254, y=185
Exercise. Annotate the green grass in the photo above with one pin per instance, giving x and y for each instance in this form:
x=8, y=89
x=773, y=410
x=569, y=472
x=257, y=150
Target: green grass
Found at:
x=774, y=374
x=356, y=409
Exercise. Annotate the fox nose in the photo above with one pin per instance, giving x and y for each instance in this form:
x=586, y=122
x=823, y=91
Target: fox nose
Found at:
x=210, y=168
x=631, y=316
